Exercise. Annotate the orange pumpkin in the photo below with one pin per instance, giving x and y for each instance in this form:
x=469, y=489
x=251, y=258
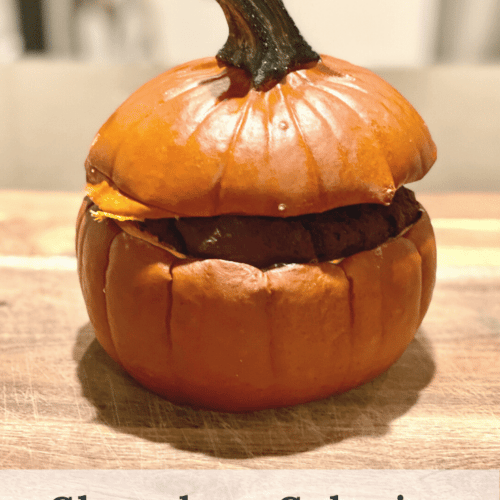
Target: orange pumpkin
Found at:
x=267, y=128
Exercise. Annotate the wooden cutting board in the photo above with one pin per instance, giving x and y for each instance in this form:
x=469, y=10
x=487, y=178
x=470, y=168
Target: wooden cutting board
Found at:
x=64, y=404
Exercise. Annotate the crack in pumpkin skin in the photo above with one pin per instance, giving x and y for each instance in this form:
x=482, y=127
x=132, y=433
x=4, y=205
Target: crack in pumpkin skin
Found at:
x=363, y=273
x=351, y=323
x=139, y=277
x=170, y=305
x=406, y=268
x=268, y=311
x=93, y=255
x=112, y=337
x=425, y=244
x=81, y=228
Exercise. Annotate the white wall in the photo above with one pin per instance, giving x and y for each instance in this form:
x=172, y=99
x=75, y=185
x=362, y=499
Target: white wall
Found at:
x=386, y=33
x=370, y=33
x=11, y=44
x=381, y=33
x=470, y=31
x=366, y=32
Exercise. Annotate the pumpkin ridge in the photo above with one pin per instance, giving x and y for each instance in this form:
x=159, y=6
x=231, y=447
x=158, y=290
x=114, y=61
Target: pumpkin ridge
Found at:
x=413, y=244
x=79, y=220
x=345, y=80
x=212, y=108
x=343, y=99
x=348, y=84
x=125, y=139
x=228, y=155
x=84, y=229
x=400, y=115
x=178, y=74
x=319, y=115
x=394, y=105
x=321, y=192
x=337, y=95
x=385, y=305
x=156, y=85
x=425, y=286
x=350, y=299
x=386, y=98
x=417, y=140
x=81, y=233
x=170, y=304
x=106, y=269
x=116, y=151
x=374, y=139
x=188, y=86
x=396, y=116
x=269, y=308
x=418, y=164
x=266, y=149
x=383, y=332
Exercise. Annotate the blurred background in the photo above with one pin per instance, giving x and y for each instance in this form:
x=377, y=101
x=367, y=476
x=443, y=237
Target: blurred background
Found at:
x=65, y=65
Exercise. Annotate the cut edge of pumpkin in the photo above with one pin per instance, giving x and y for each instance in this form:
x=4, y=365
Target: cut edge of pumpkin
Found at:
x=129, y=227
x=114, y=204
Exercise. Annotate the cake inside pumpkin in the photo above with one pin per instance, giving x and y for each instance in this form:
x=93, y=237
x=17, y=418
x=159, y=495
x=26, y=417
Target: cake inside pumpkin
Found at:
x=266, y=242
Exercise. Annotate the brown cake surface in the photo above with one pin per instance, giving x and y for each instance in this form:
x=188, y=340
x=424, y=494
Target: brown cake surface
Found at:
x=268, y=241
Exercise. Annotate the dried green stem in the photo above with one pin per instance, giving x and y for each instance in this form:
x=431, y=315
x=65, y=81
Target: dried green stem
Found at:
x=263, y=40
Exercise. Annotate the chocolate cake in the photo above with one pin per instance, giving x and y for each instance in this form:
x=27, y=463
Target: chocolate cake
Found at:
x=269, y=241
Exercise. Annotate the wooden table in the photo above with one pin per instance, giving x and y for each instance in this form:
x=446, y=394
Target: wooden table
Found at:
x=65, y=405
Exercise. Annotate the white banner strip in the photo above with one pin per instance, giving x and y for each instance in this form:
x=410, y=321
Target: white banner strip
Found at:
x=250, y=485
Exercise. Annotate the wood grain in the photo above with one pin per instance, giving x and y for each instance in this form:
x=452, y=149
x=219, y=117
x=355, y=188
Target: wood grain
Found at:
x=64, y=404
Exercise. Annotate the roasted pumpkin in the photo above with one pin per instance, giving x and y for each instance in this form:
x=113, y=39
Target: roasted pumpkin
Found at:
x=266, y=131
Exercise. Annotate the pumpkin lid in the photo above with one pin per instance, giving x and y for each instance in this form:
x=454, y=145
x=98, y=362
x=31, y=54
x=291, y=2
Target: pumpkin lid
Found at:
x=267, y=127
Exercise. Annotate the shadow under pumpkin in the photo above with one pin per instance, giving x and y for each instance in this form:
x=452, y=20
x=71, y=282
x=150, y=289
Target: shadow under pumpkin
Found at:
x=123, y=404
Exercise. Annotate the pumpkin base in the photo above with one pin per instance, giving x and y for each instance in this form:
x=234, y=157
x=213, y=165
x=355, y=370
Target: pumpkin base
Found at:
x=227, y=336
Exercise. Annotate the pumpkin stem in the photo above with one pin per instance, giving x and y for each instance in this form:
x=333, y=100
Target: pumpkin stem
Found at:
x=263, y=40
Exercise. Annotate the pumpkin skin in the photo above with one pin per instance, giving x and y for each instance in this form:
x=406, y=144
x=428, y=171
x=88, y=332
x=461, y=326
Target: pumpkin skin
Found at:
x=229, y=337
x=198, y=140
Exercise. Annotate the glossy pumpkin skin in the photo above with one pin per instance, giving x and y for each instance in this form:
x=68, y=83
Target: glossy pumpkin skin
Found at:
x=227, y=336
x=199, y=140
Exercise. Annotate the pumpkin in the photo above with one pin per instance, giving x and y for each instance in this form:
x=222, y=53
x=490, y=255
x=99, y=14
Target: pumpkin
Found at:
x=268, y=128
